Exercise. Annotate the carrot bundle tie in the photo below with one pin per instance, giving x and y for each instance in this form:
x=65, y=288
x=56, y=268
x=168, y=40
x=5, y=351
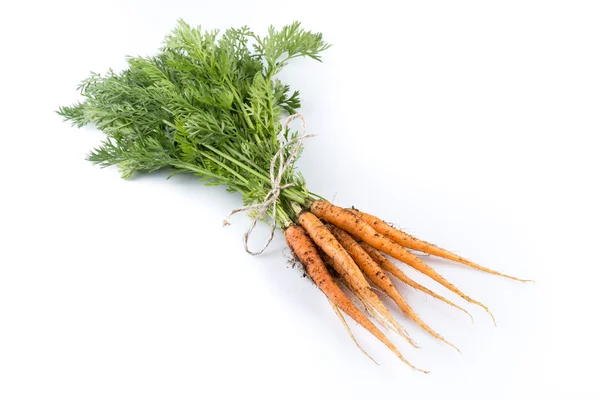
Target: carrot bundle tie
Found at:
x=271, y=198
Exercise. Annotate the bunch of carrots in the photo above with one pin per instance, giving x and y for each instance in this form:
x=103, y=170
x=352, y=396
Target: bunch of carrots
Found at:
x=210, y=104
x=352, y=245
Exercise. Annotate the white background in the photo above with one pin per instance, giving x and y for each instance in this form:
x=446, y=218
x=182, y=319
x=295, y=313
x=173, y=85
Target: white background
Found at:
x=470, y=124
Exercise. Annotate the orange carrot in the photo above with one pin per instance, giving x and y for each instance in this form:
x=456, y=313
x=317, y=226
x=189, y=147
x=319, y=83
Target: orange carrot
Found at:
x=352, y=224
x=406, y=240
x=306, y=251
x=380, y=278
x=398, y=273
x=346, y=267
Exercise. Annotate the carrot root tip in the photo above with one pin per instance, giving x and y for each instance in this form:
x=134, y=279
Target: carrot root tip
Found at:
x=491, y=315
x=455, y=348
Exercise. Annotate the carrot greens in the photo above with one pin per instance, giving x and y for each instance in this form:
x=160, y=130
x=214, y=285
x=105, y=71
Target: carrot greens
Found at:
x=207, y=104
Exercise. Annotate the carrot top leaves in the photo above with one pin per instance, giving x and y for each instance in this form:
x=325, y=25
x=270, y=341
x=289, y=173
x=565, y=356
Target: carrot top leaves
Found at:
x=207, y=103
x=277, y=48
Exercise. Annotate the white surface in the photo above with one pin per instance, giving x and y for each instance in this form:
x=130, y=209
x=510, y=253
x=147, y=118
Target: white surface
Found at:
x=472, y=125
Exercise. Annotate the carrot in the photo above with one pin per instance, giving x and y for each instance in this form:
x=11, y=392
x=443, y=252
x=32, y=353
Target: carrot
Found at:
x=352, y=224
x=380, y=278
x=346, y=267
x=306, y=251
x=406, y=240
x=397, y=272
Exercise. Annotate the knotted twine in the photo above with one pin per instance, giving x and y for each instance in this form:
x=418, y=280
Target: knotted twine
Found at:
x=271, y=198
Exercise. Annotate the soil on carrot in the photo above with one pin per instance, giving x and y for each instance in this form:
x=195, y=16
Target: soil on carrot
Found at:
x=291, y=261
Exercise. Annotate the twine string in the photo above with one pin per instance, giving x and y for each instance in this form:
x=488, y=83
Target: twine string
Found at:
x=270, y=200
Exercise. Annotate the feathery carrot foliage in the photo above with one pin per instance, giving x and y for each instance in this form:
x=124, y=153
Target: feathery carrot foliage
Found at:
x=208, y=104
